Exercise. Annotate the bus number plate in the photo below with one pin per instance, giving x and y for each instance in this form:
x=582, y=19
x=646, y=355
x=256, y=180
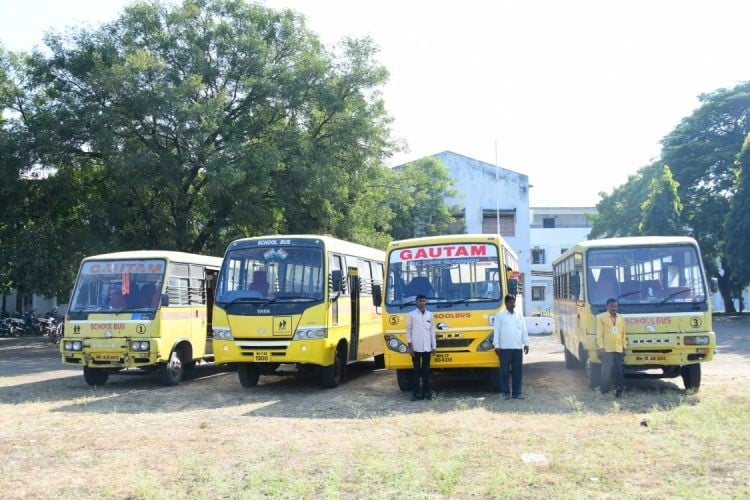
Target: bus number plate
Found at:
x=107, y=357
x=443, y=357
x=262, y=356
x=651, y=358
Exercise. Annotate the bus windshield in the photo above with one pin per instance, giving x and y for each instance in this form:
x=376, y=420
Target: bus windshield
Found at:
x=649, y=274
x=118, y=285
x=444, y=273
x=260, y=274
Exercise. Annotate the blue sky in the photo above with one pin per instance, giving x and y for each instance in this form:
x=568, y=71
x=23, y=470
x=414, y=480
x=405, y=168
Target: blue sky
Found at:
x=575, y=94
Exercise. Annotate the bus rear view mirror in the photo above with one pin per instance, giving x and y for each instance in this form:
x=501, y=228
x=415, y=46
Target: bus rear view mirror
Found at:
x=575, y=284
x=713, y=284
x=164, y=299
x=513, y=287
x=337, y=281
x=377, y=295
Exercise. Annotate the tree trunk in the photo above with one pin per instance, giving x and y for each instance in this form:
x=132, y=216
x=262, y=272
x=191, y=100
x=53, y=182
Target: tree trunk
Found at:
x=724, y=289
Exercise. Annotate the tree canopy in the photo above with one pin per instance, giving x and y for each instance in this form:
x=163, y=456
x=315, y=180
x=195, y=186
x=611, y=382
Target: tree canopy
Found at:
x=701, y=153
x=662, y=209
x=184, y=127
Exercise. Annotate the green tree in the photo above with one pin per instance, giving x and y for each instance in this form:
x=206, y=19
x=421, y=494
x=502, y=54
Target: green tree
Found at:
x=662, y=209
x=619, y=213
x=737, y=224
x=418, y=199
x=701, y=153
x=195, y=124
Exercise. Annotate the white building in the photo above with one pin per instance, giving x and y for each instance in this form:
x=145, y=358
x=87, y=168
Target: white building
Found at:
x=553, y=230
x=492, y=197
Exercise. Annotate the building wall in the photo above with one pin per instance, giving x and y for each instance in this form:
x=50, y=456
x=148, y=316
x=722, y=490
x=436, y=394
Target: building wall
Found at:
x=484, y=188
x=571, y=226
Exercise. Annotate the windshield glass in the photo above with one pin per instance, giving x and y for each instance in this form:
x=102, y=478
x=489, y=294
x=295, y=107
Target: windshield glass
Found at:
x=656, y=274
x=260, y=274
x=118, y=285
x=443, y=273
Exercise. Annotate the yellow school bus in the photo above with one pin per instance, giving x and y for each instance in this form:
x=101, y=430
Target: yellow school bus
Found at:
x=303, y=301
x=145, y=309
x=660, y=286
x=464, y=278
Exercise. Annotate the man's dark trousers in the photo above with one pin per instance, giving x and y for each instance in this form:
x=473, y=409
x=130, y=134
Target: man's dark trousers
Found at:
x=421, y=362
x=612, y=368
x=511, y=366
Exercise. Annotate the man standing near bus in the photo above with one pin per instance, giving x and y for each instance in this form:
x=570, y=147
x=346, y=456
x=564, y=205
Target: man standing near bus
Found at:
x=511, y=341
x=611, y=343
x=422, y=341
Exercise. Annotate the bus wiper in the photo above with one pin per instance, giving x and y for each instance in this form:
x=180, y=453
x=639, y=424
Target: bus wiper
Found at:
x=242, y=299
x=628, y=294
x=467, y=299
x=295, y=297
x=672, y=295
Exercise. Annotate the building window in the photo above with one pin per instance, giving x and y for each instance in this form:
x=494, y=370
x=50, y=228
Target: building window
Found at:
x=537, y=255
x=507, y=222
x=548, y=222
x=537, y=293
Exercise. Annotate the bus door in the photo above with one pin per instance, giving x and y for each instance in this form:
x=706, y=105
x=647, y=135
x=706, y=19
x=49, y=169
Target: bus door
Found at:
x=210, y=286
x=353, y=279
x=197, y=301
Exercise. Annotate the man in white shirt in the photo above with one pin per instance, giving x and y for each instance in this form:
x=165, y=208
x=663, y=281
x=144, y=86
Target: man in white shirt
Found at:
x=511, y=341
x=422, y=341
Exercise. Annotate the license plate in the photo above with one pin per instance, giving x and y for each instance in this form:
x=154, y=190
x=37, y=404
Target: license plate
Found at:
x=107, y=357
x=650, y=358
x=262, y=356
x=442, y=357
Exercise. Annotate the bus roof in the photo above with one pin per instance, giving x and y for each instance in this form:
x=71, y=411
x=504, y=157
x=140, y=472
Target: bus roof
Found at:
x=185, y=257
x=628, y=241
x=331, y=243
x=451, y=238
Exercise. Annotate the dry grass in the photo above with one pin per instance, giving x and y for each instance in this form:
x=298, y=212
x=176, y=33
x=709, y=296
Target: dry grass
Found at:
x=209, y=438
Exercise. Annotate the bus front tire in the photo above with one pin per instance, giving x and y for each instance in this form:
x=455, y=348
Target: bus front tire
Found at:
x=691, y=376
x=594, y=373
x=170, y=373
x=249, y=374
x=495, y=378
x=95, y=376
x=403, y=377
x=331, y=376
x=570, y=360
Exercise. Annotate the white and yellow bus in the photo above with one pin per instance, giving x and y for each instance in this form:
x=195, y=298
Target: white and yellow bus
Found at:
x=464, y=278
x=143, y=309
x=660, y=286
x=304, y=300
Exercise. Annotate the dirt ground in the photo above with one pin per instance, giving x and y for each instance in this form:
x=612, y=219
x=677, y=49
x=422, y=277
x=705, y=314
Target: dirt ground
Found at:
x=30, y=370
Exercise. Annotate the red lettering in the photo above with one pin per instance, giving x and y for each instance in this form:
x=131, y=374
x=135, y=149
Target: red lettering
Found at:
x=421, y=254
x=479, y=250
x=461, y=252
x=406, y=255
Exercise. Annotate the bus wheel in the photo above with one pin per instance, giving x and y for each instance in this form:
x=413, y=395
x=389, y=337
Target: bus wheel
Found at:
x=495, y=379
x=170, y=373
x=594, y=372
x=379, y=361
x=249, y=374
x=331, y=376
x=404, y=379
x=570, y=360
x=691, y=376
x=95, y=376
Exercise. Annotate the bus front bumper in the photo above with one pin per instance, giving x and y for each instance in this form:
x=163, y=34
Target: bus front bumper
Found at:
x=312, y=352
x=445, y=359
x=109, y=353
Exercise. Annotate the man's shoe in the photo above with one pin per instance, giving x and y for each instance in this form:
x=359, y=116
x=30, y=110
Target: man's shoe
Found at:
x=427, y=396
x=518, y=396
x=618, y=393
x=415, y=397
x=506, y=396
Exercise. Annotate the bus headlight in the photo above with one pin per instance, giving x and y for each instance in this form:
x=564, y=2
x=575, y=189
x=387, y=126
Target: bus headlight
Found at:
x=310, y=333
x=486, y=344
x=139, y=345
x=222, y=333
x=696, y=340
x=395, y=344
x=73, y=345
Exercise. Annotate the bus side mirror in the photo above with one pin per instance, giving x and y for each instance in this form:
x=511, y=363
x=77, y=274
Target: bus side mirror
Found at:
x=513, y=287
x=337, y=281
x=377, y=295
x=713, y=284
x=575, y=285
x=164, y=299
